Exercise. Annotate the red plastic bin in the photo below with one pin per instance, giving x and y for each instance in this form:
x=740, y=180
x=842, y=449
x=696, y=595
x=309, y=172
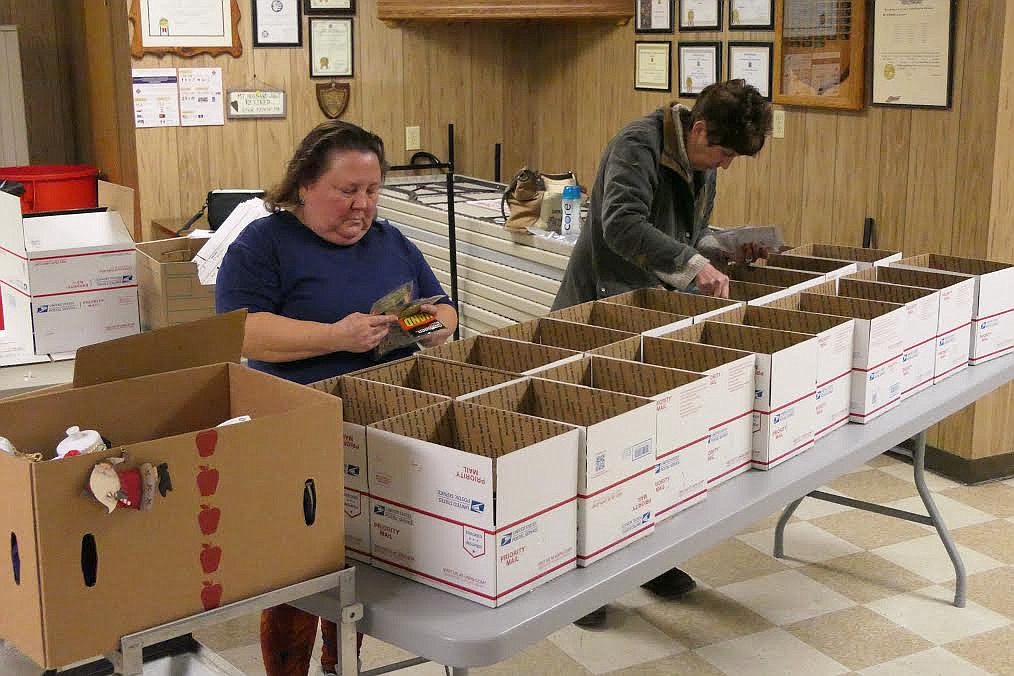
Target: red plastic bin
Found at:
x=55, y=187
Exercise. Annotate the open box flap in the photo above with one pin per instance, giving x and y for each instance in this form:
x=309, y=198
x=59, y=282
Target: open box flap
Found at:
x=207, y=341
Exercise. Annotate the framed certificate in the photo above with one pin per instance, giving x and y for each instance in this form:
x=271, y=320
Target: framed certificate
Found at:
x=330, y=47
x=700, y=64
x=653, y=16
x=185, y=27
x=277, y=23
x=913, y=60
x=652, y=70
x=752, y=15
x=700, y=15
x=340, y=7
x=751, y=61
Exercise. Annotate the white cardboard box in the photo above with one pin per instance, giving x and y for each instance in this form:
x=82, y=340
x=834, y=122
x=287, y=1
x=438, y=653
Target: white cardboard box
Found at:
x=863, y=257
x=695, y=306
x=502, y=354
x=954, y=317
x=785, y=375
x=616, y=460
x=628, y=318
x=363, y=403
x=683, y=402
x=453, y=505
x=876, y=350
x=561, y=334
x=76, y=277
x=992, y=304
x=922, y=312
x=731, y=380
x=835, y=336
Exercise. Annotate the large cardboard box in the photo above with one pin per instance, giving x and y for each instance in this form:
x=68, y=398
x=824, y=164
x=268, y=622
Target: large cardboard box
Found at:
x=831, y=268
x=692, y=305
x=79, y=578
x=566, y=335
x=954, y=318
x=168, y=290
x=628, y=318
x=785, y=374
x=922, y=310
x=863, y=257
x=731, y=380
x=616, y=457
x=75, y=275
x=502, y=354
x=682, y=401
x=365, y=402
x=876, y=351
x=835, y=337
x=992, y=304
x=453, y=505
x=438, y=376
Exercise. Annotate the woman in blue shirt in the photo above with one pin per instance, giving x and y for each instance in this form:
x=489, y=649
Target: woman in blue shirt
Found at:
x=308, y=275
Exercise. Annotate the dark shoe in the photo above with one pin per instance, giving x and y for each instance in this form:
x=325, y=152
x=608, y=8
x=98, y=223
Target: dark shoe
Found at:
x=593, y=620
x=671, y=584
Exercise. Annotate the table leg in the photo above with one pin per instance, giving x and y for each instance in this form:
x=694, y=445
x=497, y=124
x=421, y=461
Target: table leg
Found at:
x=783, y=520
x=919, y=467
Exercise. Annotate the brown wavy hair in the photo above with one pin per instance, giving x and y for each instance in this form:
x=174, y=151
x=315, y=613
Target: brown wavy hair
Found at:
x=736, y=114
x=311, y=159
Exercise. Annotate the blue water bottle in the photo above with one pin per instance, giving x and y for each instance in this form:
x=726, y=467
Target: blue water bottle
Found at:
x=570, y=228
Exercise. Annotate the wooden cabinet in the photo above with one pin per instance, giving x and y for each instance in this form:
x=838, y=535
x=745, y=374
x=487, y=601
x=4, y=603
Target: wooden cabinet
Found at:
x=486, y=10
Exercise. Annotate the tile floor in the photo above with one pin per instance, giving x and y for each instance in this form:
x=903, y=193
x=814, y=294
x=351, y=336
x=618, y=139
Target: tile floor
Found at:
x=861, y=593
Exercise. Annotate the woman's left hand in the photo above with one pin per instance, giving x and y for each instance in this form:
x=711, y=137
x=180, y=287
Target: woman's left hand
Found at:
x=437, y=337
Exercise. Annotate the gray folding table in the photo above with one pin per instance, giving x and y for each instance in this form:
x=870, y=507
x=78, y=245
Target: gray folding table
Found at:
x=452, y=631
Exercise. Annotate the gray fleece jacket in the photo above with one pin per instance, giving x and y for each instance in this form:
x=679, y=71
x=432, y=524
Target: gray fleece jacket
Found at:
x=648, y=210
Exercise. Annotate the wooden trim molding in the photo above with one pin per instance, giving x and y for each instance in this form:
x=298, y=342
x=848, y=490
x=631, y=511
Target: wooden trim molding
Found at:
x=485, y=10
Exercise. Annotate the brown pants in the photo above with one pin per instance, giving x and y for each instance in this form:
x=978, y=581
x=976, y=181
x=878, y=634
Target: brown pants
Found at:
x=287, y=636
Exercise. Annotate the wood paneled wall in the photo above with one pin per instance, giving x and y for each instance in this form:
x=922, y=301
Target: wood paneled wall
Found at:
x=554, y=93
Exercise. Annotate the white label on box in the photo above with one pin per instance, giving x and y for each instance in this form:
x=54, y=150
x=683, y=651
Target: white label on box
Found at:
x=65, y=322
x=615, y=517
x=834, y=369
x=919, y=356
x=681, y=469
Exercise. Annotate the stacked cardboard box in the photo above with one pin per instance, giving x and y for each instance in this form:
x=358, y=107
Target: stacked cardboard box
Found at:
x=730, y=376
x=876, y=351
x=863, y=257
x=627, y=318
x=453, y=505
x=169, y=291
x=992, y=304
x=783, y=407
x=834, y=356
x=616, y=461
x=683, y=402
x=79, y=578
x=365, y=402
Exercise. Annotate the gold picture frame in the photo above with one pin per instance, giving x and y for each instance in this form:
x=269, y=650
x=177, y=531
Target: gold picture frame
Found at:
x=138, y=49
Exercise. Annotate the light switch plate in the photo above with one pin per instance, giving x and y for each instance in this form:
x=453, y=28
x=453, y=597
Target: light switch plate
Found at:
x=412, y=141
x=779, y=124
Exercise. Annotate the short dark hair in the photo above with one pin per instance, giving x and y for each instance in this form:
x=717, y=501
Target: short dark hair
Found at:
x=311, y=158
x=736, y=115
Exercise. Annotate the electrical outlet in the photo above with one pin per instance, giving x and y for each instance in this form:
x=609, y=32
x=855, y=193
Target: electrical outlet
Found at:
x=779, y=124
x=412, y=141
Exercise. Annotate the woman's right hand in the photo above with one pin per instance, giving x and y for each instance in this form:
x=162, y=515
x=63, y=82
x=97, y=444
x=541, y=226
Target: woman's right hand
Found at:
x=361, y=333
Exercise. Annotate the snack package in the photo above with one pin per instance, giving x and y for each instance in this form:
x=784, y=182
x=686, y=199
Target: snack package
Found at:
x=413, y=323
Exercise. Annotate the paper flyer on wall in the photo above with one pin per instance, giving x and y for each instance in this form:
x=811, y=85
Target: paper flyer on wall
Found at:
x=201, y=102
x=156, y=97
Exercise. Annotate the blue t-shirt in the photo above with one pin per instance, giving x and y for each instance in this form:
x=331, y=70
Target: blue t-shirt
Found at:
x=279, y=265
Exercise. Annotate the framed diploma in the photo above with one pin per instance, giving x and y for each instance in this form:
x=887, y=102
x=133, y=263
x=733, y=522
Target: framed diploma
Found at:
x=277, y=23
x=751, y=61
x=652, y=70
x=751, y=15
x=820, y=52
x=185, y=27
x=700, y=65
x=653, y=16
x=700, y=15
x=913, y=60
x=330, y=47
x=345, y=7
x=243, y=104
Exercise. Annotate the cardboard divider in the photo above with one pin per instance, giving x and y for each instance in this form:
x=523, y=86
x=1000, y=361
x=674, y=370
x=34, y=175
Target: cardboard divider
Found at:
x=502, y=354
x=426, y=374
x=750, y=291
x=739, y=337
x=629, y=349
x=674, y=302
x=965, y=266
x=627, y=318
x=766, y=274
x=829, y=267
x=556, y=333
x=861, y=255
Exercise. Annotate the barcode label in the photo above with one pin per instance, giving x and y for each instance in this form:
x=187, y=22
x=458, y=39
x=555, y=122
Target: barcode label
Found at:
x=600, y=462
x=640, y=450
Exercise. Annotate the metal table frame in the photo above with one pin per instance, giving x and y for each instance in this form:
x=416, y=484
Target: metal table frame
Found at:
x=453, y=631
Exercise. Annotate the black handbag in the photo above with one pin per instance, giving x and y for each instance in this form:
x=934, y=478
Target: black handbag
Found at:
x=219, y=204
